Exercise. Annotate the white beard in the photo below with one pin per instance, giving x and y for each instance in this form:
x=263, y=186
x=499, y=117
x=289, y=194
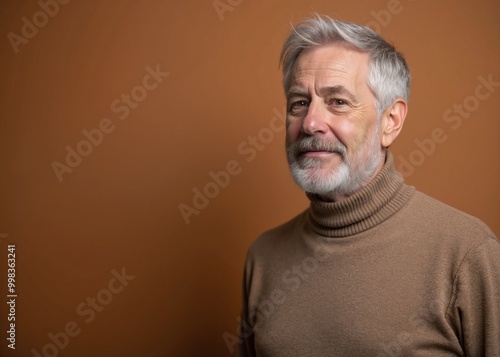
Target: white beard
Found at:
x=351, y=174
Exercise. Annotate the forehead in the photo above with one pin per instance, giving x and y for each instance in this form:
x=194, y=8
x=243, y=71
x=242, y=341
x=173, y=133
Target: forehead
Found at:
x=331, y=64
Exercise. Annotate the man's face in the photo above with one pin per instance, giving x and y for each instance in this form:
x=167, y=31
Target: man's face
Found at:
x=333, y=135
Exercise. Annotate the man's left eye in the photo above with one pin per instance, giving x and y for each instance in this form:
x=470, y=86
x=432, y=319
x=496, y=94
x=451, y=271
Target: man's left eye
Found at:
x=336, y=101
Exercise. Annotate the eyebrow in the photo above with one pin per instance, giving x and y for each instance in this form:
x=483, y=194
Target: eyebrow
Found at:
x=339, y=89
x=296, y=91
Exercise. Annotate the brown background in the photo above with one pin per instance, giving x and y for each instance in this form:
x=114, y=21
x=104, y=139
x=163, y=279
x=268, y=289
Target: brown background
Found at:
x=120, y=206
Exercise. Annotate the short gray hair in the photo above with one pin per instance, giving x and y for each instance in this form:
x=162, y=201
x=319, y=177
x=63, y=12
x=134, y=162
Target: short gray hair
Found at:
x=388, y=74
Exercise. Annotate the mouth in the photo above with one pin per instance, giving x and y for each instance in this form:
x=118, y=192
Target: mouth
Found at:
x=316, y=149
x=316, y=153
x=311, y=152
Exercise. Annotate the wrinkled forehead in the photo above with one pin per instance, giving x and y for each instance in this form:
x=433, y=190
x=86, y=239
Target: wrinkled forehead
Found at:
x=330, y=63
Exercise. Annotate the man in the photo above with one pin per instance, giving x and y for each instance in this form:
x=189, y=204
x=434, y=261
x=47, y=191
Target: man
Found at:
x=373, y=267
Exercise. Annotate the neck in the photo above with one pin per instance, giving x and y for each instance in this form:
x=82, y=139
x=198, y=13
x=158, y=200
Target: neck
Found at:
x=382, y=197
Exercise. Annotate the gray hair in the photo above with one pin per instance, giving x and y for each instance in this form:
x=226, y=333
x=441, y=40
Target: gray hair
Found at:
x=388, y=74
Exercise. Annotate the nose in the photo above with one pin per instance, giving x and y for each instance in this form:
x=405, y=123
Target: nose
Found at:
x=315, y=121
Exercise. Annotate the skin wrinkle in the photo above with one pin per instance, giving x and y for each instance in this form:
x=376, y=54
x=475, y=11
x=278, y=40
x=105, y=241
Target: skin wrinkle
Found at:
x=322, y=76
x=335, y=74
x=297, y=91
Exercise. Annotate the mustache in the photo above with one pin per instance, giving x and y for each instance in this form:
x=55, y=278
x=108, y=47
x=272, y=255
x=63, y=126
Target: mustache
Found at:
x=314, y=143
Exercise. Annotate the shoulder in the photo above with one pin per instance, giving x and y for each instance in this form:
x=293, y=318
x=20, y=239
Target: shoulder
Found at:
x=278, y=238
x=440, y=217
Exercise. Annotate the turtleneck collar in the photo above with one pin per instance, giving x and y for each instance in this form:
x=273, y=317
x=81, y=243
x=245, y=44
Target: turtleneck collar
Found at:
x=373, y=204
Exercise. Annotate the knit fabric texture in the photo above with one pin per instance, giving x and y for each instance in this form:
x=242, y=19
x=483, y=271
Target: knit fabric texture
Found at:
x=388, y=271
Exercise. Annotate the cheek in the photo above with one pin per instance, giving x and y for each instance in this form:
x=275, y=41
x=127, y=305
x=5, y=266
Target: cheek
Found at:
x=293, y=128
x=356, y=130
x=345, y=132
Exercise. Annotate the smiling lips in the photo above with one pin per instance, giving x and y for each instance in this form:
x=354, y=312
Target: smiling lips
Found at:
x=316, y=153
x=315, y=148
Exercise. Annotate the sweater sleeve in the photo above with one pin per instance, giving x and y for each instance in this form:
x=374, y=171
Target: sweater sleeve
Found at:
x=476, y=305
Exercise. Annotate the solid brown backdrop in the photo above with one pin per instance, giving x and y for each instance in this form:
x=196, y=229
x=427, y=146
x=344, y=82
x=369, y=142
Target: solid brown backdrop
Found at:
x=218, y=109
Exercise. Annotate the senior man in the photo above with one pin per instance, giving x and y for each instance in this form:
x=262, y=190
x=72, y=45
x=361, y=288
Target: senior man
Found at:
x=373, y=267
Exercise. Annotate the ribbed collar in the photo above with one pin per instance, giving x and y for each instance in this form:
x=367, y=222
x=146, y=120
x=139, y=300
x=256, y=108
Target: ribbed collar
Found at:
x=373, y=204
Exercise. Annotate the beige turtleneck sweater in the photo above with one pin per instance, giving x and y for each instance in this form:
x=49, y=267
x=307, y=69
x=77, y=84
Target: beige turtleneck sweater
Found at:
x=388, y=271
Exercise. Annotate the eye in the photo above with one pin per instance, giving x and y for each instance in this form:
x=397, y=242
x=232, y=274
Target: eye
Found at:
x=299, y=103
x=338, y=102
x=298, y=106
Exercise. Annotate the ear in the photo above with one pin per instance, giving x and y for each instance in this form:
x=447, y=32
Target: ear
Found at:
x=392, y=121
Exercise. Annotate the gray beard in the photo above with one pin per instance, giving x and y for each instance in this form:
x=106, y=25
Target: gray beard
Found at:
x=351, y=175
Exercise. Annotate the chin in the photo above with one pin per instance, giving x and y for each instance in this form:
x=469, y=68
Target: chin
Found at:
x=321, y=181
